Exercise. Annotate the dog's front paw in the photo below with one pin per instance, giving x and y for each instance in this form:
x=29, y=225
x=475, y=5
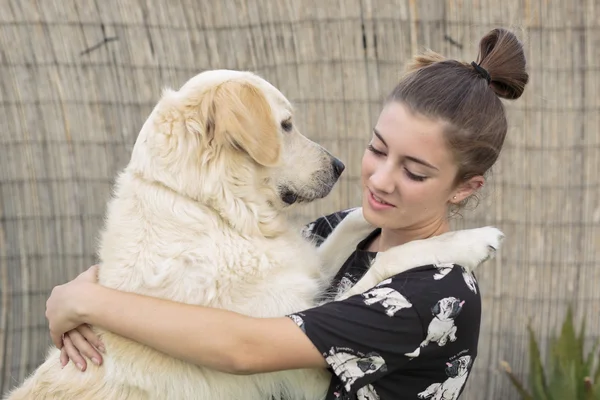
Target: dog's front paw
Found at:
x=493, y=237
x=471, y=247
x=482, y=243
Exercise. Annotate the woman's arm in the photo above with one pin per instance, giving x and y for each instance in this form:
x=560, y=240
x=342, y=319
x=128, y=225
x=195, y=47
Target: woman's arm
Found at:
x=218, y=339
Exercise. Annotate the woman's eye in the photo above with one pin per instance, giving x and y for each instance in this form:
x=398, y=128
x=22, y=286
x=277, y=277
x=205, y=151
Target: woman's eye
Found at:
x=375, y=151
x=287, y=125
x=414, y=177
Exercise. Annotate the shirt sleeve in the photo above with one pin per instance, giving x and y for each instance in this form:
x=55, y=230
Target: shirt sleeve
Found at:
x=366, y=336
x=318, y=230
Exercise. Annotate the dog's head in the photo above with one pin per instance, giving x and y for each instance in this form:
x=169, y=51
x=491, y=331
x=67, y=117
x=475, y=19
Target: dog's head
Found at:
x=371, y=363
x=228, y=139
x=447, y=308
x=458, y=367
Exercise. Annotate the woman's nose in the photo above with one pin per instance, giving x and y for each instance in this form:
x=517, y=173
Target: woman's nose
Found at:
x=382, y=181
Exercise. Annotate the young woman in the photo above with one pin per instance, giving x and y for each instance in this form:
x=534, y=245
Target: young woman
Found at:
x=415, y=335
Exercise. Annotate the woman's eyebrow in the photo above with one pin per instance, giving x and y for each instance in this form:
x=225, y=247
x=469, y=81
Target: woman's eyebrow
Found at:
x=376, y=133
x=413, y=159
x=422, y=162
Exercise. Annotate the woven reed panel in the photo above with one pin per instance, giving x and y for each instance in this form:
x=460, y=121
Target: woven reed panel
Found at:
x=80, y=78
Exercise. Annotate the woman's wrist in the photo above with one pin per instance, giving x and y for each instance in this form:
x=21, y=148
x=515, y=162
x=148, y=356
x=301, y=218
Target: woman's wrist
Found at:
x=86, y=302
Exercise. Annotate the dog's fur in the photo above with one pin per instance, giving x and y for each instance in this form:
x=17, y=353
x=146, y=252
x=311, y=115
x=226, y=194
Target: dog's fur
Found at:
x=196, y=217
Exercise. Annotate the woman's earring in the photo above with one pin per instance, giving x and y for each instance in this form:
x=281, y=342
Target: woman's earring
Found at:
x=454, y=198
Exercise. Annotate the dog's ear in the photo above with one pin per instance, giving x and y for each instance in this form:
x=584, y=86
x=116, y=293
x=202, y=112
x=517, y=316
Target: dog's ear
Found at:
x=238, y=114
x=469, y=363
x=456, y=309
x=435, y=310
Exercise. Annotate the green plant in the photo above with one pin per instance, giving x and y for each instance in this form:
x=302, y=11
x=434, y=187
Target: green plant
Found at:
x=569, y=374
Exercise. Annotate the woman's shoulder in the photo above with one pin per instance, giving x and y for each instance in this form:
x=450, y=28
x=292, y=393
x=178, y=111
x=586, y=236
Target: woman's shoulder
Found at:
x=318, y=230
x=429, y=281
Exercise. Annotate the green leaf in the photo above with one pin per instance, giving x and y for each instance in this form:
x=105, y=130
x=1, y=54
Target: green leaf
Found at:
x=537, y=379
x=591, y=357
x=596, y=390
x=565, y=385
x=596, y=378
x=569, y=374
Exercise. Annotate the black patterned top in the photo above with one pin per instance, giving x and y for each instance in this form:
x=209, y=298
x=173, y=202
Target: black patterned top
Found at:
x=413, y=336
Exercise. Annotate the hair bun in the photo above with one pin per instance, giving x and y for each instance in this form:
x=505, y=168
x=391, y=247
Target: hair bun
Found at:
x=502, y=56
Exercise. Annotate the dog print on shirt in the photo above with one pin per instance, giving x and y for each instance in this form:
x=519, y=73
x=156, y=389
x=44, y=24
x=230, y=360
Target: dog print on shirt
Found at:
x=389, y=298
x=367, y=393
x=349, y=365
x=457, y=371
x=442, y=328
x=445, y=268
x=470, y=281
x=298, y=320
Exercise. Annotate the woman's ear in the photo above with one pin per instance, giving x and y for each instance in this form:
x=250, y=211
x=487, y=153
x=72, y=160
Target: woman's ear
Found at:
x=466, y=189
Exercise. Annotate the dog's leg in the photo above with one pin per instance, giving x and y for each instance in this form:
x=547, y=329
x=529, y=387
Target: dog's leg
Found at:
x=443, y=340
x=372, y=300
x=467, y=248
x=425, y=342
x=452, y=334
x=342, y=242
x=429, y=391
x=391, y=310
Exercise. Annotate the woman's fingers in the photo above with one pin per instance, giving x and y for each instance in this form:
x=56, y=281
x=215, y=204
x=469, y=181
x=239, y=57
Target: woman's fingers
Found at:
x=73, y=353
x=83, y=346
x=92, y=338
x=64, y=357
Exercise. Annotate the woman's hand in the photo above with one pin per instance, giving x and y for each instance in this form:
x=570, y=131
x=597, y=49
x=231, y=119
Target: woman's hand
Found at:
x=64, y=305
x=78, y=341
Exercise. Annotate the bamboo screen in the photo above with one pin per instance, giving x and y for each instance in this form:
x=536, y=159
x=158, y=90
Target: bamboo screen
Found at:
x=78, y=79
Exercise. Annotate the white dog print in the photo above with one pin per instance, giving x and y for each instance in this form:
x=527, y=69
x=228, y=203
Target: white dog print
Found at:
x=367, y=393
x=350, y=367
x=445, y=268
x=470, y=281
x=299, y=321
x=389, y=298
x=457, y=371
x=442, y=327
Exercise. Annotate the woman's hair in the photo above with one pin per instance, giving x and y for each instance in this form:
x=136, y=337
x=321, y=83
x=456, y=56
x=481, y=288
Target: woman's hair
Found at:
x=466, y=97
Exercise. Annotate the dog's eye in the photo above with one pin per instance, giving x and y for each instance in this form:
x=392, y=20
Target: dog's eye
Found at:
x=287, y=125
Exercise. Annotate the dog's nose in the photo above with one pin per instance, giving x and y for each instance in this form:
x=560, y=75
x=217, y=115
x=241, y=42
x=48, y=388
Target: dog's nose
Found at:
x=338, y=166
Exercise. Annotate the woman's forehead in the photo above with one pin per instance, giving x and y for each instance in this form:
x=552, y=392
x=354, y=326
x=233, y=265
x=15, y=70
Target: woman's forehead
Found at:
x=414, y=135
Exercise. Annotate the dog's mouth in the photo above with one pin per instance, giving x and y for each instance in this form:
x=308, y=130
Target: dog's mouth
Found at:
x=289, y=197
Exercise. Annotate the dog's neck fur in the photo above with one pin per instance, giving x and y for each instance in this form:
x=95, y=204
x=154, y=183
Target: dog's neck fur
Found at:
x=247, y=216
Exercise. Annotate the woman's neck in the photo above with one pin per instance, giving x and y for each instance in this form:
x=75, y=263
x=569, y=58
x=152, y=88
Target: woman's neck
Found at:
x=395, y=237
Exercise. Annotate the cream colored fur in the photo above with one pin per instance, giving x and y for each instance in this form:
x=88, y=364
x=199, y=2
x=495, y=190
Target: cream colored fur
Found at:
x=197, y=217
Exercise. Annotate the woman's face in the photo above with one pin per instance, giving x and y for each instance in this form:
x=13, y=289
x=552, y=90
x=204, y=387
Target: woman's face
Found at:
x=408, y=172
